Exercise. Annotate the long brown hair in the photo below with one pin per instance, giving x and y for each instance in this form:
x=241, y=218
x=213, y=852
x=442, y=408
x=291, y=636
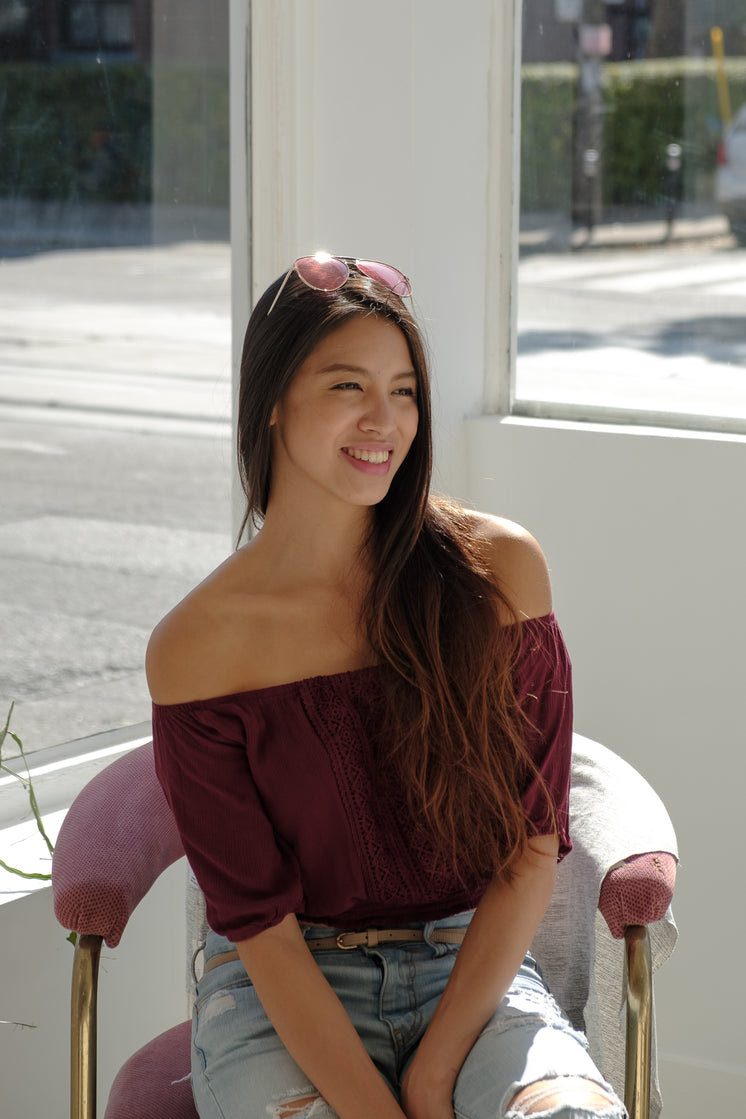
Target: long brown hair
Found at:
x=454, y=732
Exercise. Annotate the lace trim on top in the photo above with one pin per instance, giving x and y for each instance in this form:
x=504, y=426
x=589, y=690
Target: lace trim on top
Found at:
x=399, y=869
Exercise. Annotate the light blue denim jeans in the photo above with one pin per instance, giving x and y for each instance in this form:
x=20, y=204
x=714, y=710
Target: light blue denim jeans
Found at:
x=241, y=1070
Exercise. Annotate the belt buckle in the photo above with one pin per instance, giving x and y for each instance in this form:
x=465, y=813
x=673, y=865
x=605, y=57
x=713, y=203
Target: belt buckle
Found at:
x=345, y=947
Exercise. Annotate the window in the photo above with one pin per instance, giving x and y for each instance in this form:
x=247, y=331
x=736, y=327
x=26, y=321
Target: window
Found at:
x=115, y=446
x=19, y=29
x=97, y=25
x=632, y=267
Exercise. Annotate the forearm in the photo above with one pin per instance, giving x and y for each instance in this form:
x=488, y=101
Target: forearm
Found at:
x=495, y=945
x=313, y=1025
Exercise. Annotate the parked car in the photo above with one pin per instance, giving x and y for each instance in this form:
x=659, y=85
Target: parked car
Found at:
x=730, y=174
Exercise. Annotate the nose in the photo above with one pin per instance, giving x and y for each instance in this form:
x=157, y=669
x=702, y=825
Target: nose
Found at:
x=378, y=414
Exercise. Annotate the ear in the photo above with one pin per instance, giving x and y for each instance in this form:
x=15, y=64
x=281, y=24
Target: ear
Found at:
x=273, y=417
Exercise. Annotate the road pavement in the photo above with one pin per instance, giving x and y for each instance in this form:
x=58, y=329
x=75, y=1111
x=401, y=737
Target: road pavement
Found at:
x=659, y=328
x=132, y=332
x=115, y=471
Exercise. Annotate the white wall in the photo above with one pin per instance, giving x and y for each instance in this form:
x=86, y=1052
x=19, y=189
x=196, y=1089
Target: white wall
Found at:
x=141, y=993
x=645, y=537
x=371, y=129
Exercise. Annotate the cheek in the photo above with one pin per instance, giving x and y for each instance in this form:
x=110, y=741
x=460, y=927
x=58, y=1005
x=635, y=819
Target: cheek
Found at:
x=414, y=423
x=303, y=427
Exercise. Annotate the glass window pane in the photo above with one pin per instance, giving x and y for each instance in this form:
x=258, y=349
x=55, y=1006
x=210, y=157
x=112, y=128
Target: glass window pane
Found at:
x=82, y=25
x=15, y=16
x=116, y=24
x=632, y=272
x=94, y=24
x=115, y=447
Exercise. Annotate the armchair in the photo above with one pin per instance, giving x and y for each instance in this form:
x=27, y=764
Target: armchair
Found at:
x=609, y=918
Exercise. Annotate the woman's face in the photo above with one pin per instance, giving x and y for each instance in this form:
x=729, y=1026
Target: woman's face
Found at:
x=344, y=426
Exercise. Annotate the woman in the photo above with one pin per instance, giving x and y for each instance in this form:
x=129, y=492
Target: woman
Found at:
x=362, y=722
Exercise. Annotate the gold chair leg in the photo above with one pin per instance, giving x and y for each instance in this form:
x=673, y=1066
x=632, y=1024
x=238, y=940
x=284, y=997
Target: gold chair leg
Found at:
x=83, y=1027
x=639, y=1022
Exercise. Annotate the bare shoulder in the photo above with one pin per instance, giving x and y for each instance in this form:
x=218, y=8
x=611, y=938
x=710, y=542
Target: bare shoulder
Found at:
x=518, y=563
x=193, y=651
x=171, y=659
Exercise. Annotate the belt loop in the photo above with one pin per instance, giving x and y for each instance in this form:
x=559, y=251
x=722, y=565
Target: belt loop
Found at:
x=197, y=950
x=437, y=945
x=372, y=938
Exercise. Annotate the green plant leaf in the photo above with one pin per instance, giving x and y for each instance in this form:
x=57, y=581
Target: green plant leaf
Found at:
x=5, y=731
x=24, y=873
x=29, y=787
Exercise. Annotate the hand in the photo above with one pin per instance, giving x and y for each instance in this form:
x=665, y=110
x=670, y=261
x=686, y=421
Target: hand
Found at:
x=427, y=1095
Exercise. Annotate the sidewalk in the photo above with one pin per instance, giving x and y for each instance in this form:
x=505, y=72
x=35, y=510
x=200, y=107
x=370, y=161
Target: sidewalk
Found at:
x=28, y=225
x=554, y=232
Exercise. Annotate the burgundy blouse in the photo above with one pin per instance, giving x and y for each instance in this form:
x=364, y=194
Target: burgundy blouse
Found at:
x=281, y=810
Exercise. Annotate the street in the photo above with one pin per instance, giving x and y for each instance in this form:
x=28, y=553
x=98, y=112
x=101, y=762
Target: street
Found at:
x=119, y=332
x=661, y=328
x=115, y=448
x=115, y=468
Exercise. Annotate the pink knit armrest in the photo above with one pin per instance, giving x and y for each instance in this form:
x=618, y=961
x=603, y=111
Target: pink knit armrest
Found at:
x=638, y=891
x=117, y=838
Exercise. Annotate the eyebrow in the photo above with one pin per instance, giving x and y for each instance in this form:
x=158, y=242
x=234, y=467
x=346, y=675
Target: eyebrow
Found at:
x=346, y=367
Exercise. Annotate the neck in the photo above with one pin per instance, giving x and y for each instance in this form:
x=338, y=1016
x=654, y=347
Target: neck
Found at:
x=299, y=548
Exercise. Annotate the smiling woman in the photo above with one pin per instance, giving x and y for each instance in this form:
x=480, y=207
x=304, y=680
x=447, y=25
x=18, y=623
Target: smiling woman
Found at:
x=362, y=722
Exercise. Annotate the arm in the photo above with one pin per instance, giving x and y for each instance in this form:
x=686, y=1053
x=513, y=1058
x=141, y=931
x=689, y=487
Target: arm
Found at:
x=248, y=878
x=509, y=913
x=313, y=1024
x=498, y=938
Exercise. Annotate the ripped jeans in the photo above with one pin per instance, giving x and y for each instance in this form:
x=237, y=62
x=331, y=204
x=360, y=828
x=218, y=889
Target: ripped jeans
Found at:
x=241, y=1070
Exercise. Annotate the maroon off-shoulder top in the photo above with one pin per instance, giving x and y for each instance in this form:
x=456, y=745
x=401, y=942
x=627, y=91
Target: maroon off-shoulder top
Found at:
x=281, y=809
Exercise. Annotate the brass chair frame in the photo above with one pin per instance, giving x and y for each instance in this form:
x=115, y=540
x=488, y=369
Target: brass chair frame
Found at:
x=638, y=1063
x=84, y=901
x=83, y=1025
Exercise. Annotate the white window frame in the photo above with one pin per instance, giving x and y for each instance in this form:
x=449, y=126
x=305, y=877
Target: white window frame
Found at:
x=501, y=343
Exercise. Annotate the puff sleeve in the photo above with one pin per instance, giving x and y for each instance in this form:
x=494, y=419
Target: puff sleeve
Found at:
x=543, y=686
x=248, y=874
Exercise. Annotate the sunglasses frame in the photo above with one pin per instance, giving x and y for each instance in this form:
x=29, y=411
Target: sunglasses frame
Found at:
x=323, y=258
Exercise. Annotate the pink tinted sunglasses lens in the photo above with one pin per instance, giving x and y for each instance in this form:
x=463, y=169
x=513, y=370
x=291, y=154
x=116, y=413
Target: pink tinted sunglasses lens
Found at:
x=323, y=275
x=391, y=278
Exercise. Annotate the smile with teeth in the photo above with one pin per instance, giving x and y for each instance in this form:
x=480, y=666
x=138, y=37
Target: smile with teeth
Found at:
x=367, y=456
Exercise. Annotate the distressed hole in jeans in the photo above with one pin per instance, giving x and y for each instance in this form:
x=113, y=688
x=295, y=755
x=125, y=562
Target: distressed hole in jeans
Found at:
x=221, y=1003
x=308, y=1106
x=563, y=1095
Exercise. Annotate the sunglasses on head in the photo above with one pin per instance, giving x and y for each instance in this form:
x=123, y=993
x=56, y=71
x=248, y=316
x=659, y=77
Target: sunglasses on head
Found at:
x=323, y=272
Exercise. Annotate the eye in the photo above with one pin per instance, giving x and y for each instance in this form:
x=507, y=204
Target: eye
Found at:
x=346, y=385
x=406, y=391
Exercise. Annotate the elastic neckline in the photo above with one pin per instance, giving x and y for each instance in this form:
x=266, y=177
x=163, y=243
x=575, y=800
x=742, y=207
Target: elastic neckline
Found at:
x=293, y=685
x=289, y=685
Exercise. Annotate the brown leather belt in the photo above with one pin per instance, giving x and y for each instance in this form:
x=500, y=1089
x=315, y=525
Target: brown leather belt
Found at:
x=369, y=938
